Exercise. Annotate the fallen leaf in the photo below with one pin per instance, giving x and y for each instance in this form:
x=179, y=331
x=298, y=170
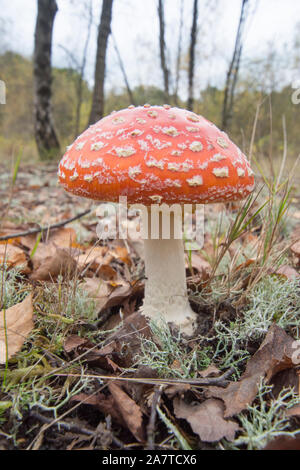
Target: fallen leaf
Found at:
x=62, y=263
x=211, y=370
x=288, y=271
x=13, y=257
x=287, y=378
x=73, y=342
x=119, y=294
x=103, y=357
x=98, y=290
x=128, y=338
x=103, y=403
x=44, y=251
x=199, y=264
x=177, y=389
x=284, y=443
x=275, y=354
x=293, y=411
x=129, y=410
x=107, y=294
x=296, y=249
x=98, y=357
x=206, y=419
x=15, y=325
x=121, y=253
x=63, y=237
x=98, y=261
x=140, y=392
x=29, y=241
x=94, y=257
x=106, y=272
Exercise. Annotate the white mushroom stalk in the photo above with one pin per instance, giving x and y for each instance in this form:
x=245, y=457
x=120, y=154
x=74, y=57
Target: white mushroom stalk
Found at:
x=166, y=297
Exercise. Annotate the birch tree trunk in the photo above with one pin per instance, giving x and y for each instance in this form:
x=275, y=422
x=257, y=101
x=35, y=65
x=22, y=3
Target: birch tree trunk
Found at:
x=191, y=73
x=162, y=48
x=45, y=134
x=81, y=71
x=178, y=59
x=103, y=35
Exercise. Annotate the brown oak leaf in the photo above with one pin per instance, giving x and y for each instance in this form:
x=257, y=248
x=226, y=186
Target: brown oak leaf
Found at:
x=206, y=419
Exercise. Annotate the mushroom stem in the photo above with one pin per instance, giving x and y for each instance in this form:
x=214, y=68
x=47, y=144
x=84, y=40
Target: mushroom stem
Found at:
x=165, y=288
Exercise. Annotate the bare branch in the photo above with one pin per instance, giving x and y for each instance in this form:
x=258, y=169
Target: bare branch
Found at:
x=122, y=67
x=44, y=229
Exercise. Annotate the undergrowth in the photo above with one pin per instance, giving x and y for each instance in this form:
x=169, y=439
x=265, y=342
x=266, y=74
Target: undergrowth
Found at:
x=271, y=300
x=169, y=355
x=254, y=295
x=40, y=395
x=62, y=307
x=13, y=288
x=265, y=419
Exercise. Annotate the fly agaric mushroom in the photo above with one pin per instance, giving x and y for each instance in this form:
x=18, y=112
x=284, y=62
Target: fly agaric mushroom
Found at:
x=158, y=154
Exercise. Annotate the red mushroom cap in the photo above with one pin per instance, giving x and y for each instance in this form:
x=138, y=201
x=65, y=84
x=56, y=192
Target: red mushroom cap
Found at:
x=156, y=154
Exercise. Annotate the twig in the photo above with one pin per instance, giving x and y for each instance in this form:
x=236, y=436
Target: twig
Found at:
x=151, y=425
x=45, y=229
x=221, y=381
x=115, y=440
x=70, y=410
x=68, y=426
x=76, y=428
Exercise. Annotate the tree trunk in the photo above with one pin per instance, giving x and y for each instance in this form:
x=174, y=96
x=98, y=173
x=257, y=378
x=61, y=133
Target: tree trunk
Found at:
x=162, y=48
x=190, y=102
x=45, y=135
x=81, y=70
x=178, y=59
x=233, y=70
x=103, y=34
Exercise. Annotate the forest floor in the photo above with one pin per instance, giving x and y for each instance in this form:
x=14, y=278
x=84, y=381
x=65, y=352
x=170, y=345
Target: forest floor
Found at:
x=81, y=368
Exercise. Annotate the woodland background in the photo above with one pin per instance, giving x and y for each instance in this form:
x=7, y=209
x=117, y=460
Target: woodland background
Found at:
x=178, y=62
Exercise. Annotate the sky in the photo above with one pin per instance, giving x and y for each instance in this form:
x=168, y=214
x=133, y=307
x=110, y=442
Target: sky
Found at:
x=135, y=28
